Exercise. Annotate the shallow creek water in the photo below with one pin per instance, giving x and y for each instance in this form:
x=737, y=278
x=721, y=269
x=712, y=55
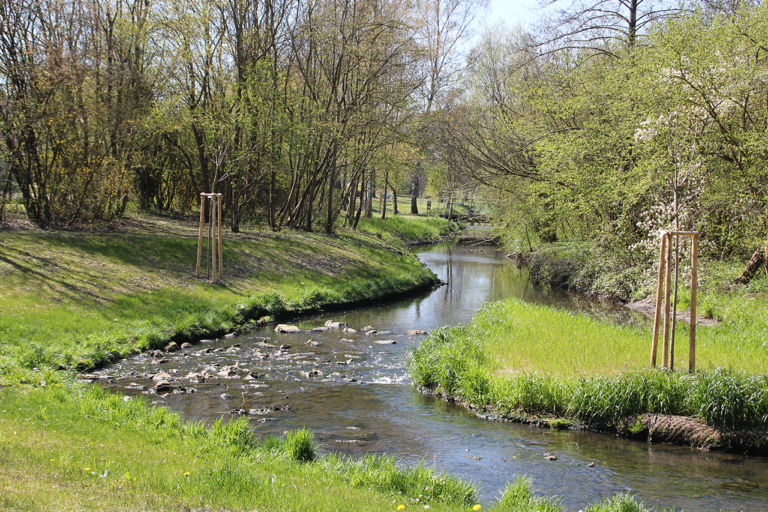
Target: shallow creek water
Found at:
x=354, y=393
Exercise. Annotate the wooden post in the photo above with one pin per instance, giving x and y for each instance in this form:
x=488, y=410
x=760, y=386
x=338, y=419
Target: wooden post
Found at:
x=668, y=281
x=200, y=236
x=659, y=290
x=215, y=258
x=694, y=284
x=214, y=224
x=221, y=260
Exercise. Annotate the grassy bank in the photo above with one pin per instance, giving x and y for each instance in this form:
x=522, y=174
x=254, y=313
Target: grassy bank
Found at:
x=75, y=300
x=521, y=358
x=411, y=230
x=64, y=446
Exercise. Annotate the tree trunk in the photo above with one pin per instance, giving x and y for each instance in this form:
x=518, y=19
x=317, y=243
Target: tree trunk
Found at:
x=415, y=194
x=329, y=220
x=760, y=258
x=384, y=196
x=394, y=201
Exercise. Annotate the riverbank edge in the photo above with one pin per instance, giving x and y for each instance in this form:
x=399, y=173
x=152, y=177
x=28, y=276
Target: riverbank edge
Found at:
x=264, y=308
x=260, y=317
x=650, y=428
x=586, y=275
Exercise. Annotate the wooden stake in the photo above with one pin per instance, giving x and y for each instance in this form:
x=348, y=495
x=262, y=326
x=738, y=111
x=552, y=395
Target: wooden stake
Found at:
x=221, y=260
x=214, y=227
x=200, y=236
x=667, y=279
x=659, y=290
x=694, y=284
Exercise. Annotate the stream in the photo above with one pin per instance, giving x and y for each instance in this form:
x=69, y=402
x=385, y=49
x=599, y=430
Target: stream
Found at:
x=352, y=389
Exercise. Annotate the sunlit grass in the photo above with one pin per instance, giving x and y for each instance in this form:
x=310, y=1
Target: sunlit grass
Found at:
x=519, y=357
x=408, y=228
x=81, y=299
x=65, y=450
x=65, y=446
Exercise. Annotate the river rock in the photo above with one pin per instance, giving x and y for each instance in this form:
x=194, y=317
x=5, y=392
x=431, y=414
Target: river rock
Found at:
x=319, y=329
x=287, y=328
x=335, y=325
x=164, y=387
x=349, y=330
x=416, y=332
x=266, y=345
x=230, y=335
x=206, y=341
x=186, y=345
x=385, y=342
x=159, y=361
x=367, y=328
x=232, y=350
x=549, y=456
x=312, y=343
x=225, y=396
x=285, y=347
x=311, y=373
x=171, y=347
x=195, y=378
x=372, y=332
x=347, y=340
x=254, y=375
x=161, y=376
x=228, y=371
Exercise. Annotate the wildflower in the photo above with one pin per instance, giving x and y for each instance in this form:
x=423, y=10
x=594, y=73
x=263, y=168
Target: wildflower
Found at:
x=186, y=473
x=477, y=507
x=51, y=460
x=86, y=469
x=401, y=507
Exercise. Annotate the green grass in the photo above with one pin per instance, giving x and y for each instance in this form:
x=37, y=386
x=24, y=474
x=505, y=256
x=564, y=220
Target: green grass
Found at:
x=410, y=229
x=76, y=300
x=66, y=446
x=518, y=357
x=74, y=447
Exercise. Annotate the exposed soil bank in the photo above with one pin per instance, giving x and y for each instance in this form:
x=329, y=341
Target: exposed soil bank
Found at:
x=651, y=428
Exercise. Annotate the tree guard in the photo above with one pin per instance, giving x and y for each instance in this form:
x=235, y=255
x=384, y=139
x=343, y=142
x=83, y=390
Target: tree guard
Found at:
x=664, y=285
x=215, y=264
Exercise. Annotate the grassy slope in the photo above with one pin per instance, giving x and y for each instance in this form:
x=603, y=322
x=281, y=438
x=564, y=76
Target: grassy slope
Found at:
x=78, y=299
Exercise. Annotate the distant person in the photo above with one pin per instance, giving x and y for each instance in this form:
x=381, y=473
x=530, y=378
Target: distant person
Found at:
x=429, y=205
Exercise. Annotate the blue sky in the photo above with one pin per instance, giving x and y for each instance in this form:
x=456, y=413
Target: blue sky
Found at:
x=512, y=11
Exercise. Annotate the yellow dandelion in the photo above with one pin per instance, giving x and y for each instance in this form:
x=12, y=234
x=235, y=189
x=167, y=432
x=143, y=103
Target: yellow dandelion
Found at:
x=186, y=473
x=86, y=469
x=51, y=460
x=401, y=507
x=477, y=507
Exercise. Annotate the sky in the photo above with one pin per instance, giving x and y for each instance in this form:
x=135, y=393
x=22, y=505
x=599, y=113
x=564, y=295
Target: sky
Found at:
x=513, y=12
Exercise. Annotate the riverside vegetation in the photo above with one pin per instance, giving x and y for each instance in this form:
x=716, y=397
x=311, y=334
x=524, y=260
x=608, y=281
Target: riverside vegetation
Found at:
x=76, y=300
x=521, y=360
